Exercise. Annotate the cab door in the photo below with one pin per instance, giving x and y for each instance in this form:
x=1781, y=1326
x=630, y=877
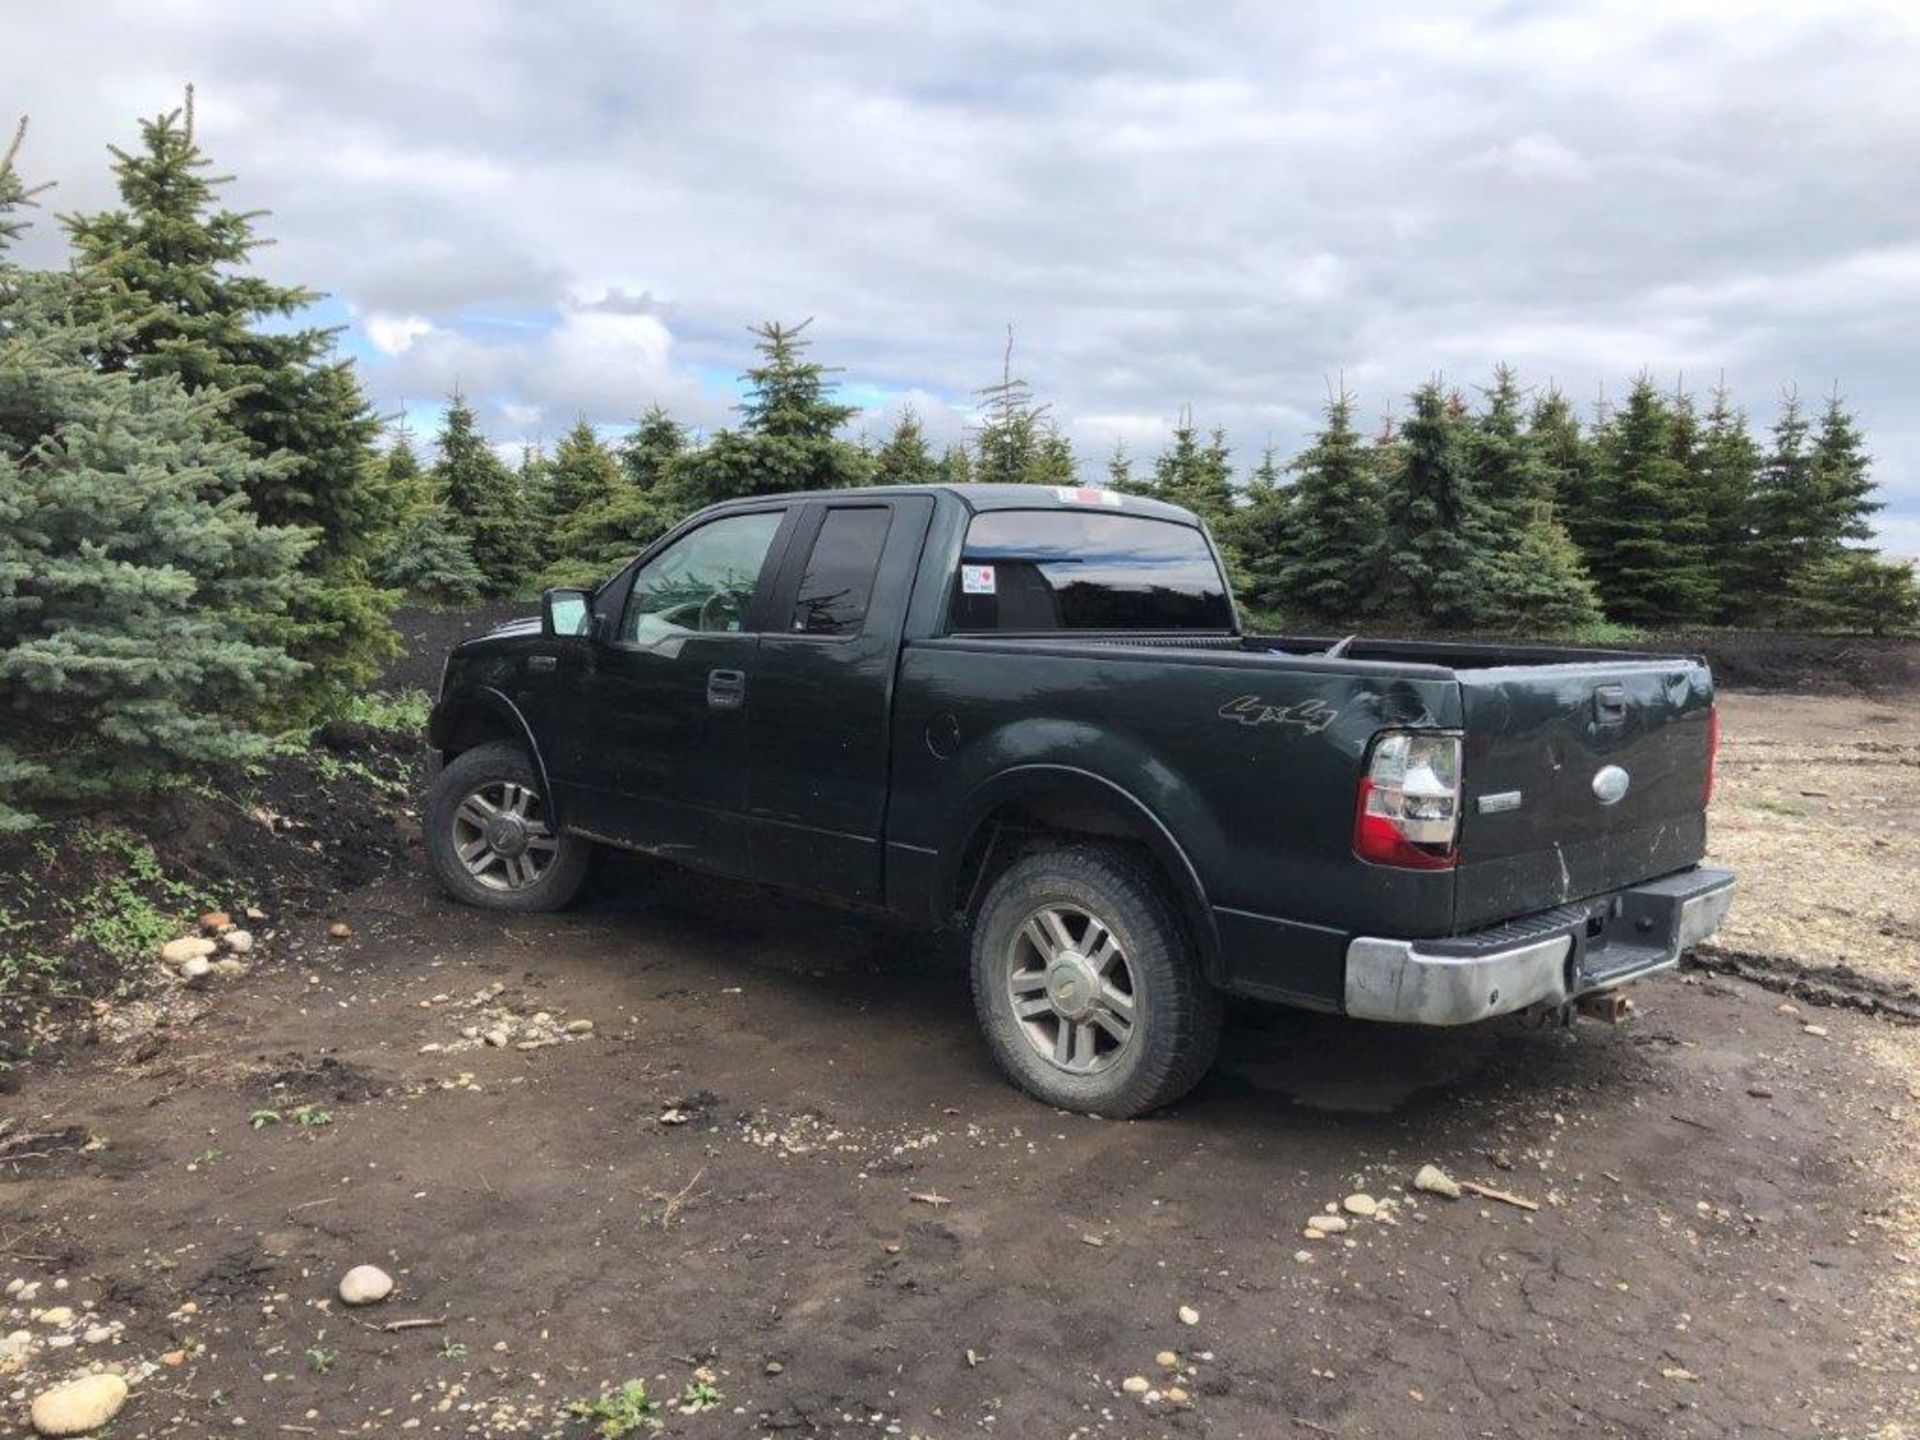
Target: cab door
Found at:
x=823, y=694
x=655, y=743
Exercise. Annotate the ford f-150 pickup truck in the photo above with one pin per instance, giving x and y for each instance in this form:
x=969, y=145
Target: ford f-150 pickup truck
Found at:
x=1033, y=713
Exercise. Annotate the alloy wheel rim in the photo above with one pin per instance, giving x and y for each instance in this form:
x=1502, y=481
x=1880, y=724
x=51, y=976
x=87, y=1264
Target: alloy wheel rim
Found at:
x=501, y=836
x=1072, y=989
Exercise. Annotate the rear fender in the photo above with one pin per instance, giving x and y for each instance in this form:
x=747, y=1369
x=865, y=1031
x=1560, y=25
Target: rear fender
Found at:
x=1050, y=783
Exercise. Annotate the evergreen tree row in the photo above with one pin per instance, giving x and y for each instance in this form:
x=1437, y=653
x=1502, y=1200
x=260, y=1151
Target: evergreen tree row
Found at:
x=1504, y=514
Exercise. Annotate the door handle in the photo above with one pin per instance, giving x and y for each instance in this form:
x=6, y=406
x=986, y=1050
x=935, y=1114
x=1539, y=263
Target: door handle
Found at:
x=542, y=664
x=726, y=689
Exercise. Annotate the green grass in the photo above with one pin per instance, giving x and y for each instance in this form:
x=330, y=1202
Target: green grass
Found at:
x=619, y=1413
x=405, y=710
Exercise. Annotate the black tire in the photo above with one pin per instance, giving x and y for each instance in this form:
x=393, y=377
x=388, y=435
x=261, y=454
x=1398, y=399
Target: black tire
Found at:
x=501, y=763
x=1175, y=1027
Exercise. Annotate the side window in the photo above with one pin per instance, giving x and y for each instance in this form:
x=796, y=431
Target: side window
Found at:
x=837, y=582
x=702, y=583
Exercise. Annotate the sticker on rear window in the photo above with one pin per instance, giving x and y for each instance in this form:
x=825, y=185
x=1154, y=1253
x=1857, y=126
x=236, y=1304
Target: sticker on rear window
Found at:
x=976, y=579
x=1086, y=495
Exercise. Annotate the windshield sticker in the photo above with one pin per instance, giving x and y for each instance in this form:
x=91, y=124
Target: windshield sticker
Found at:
x=1312, y=716
x=1086, y=495
x=976, y=579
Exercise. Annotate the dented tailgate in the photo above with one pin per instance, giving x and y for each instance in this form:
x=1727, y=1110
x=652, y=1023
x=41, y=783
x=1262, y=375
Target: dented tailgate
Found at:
x=1579, y=779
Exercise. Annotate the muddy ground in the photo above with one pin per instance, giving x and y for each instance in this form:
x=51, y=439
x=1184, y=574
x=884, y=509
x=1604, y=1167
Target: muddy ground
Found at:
x=781, y=1153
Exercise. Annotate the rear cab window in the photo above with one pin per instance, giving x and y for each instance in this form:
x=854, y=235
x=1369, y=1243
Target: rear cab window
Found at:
x=836, y=584
x=1034, y=571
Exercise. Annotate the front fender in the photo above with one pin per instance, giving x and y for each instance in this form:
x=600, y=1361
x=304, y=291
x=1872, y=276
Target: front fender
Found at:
x=476, y=715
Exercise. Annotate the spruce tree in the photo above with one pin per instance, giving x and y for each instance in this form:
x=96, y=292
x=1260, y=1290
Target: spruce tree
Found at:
x=906, y=459
x=1537, y=581
x=140, y=596
x=788, y=437
x=1854, y=590
x=1842, y=487
x=181, y=302
x=483, y=500
x=1053, y=462
x=1561, y=450
x=1329, y=564
x=1511, y=472
x=1260, y=533
x=1779, y=519
x=1438, y=536
x=956, y=466
x=1647, y=542
x=1811, y=499
x=1727, y=468
x=1120, y=469
x=423, y=556
x=583, y=474
x=598, y=540
x=655, y=444
x=1006, y=446
x=1534, y=576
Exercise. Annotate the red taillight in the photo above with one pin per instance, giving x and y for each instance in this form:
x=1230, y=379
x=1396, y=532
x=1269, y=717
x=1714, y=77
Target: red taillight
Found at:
x=1713, y=750
x=1408, y=811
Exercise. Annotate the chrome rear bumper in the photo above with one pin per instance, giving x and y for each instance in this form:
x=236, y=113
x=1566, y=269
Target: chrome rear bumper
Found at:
x=1549, y=959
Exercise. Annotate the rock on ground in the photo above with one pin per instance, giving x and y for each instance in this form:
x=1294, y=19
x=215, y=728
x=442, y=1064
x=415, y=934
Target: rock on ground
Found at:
x=365, y=1285
x=79, y=1407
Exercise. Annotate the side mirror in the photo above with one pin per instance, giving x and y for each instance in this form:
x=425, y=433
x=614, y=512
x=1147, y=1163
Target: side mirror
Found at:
x=566, y=613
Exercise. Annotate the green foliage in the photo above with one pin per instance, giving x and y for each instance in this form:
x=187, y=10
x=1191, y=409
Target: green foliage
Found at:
x=1646, y=530
x=1439, y=532
x=1537, y=582
x=483, y=500
x=1260, y=533
x=619, y=1413
x=175, y=299
x=582, y=475
x=428, y=559
x=1854, y=590
x=906, y=459
x=1328, y=560
x=1011, y=443
x=788, y=437
x=143, y=604
x=399, y=711
x=1726, y=470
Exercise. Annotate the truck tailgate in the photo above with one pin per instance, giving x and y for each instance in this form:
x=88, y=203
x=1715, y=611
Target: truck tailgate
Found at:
x=1579, y=779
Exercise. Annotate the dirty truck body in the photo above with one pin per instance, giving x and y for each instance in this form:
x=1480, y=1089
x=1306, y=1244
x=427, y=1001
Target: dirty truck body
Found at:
x=1034, y=711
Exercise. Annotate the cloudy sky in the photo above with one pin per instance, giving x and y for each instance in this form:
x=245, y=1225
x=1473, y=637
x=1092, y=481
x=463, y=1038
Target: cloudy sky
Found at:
x=579, y=208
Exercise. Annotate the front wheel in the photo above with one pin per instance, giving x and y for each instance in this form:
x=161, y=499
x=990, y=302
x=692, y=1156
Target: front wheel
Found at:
x=488, y=836
x=1085, y=984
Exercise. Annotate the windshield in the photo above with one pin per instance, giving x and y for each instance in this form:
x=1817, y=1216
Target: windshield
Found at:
x=1039, y=570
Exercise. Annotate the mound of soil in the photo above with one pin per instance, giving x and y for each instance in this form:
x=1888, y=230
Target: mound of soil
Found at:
x=86, y=900
x=430, y=634
x=1785, y=662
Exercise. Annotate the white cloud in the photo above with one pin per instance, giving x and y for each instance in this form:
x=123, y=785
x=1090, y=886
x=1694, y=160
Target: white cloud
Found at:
x=1223, y=207
x=396, y=334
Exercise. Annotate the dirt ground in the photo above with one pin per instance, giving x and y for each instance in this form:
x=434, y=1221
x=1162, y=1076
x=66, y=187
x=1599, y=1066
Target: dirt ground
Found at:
x=1818, y=809
x=780, y=1156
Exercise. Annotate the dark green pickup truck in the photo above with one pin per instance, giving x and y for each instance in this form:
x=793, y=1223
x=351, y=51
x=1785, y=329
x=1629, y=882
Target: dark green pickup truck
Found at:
x=1032, y=712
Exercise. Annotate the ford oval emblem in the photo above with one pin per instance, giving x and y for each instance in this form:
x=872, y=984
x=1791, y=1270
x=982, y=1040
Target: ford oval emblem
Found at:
x=1610, y=784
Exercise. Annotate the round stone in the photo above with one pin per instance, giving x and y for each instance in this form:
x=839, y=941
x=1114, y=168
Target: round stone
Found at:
x=187, y=947
x=1361, y=1205
x=365, y=1285
x=238, y=941
x=79, y=1407
x=1135, y=1385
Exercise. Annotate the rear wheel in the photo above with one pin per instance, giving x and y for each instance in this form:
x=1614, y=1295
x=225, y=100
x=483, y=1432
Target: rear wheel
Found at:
x=1085, y=984
x=489, y=839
